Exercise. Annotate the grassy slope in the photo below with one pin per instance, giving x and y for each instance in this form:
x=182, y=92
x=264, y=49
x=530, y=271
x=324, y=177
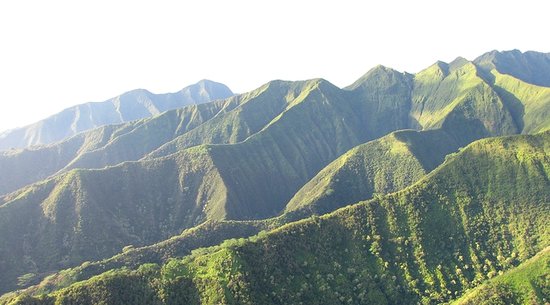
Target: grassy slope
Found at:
x=246, y=160
x=451, y=94
x=529, y=283
x=383, y=158
x=257, y=110
x=454, y=97
x=444, y=92
x=529, y=102
x=482, y=211
x=226, y=121
x=382, y=166
x=235, y=120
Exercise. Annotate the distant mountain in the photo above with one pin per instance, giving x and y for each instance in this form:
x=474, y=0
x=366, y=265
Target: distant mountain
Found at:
x=531, y=67
x=132, y=105
x=255, y=161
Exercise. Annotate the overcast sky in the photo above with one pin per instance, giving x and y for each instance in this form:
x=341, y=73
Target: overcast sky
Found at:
x=55, y=54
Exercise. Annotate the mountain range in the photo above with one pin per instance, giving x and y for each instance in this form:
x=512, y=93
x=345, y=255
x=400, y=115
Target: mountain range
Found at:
x=130, y=106
x=219, y=202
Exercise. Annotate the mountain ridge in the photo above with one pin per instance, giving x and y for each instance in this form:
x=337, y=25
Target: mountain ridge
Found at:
x=129, y=106
x=245, y=157
x=397, y=246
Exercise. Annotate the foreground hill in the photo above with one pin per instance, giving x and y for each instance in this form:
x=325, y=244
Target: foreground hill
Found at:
x=244, y=158
x=529, y=283
x=126, y=107
x=484, y=210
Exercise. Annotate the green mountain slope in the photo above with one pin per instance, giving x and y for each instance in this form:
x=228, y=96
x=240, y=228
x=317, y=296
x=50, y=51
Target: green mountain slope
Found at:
x=484, y=210
x=391, y=104
x=229, y=121
x=89, y=214
x=454, y=97
x=226, y=121
x=108, y=145
x=444, y=94
x=246, y=157
x=529, y=283
x=528, y=103
x=382, y=166
x=206, y=182
x=210, y=233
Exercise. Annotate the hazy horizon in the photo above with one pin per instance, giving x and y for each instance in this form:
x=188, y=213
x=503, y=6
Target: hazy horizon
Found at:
x=59, y=54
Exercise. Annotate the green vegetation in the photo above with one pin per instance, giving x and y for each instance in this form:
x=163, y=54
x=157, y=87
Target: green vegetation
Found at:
x=382, y=166
x=464, y=223
x=93, y=214
x=529, y=283
x=156, y=190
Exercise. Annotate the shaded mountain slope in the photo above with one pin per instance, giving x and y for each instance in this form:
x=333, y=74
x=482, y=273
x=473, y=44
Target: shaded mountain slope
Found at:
x=423, y=150
x=111, y=145
x=391, y=105
x=531, y=67
x=227, y=121
x=482, y=211
x=208, y=234
x=263, y=172
x=527, y=103
x=255, y=111
x=129, y=106
x=237, y=119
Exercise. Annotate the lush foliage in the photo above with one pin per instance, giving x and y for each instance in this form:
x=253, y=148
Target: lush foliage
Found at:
x=379, y=167
x=529, y=283
x=228, y=166
x=466, y=222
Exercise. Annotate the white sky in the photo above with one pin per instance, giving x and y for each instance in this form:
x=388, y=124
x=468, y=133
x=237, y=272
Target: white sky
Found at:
x=55, y=54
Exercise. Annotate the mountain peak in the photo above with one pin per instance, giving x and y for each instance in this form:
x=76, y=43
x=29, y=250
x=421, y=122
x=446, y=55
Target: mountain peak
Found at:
x=531, y=67
x=376, y=74
x=457, y=63
x=205, y=91
x=131, y=105
x=439, y=70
